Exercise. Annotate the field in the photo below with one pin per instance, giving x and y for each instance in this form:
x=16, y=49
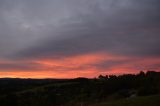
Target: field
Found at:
x=138, y=101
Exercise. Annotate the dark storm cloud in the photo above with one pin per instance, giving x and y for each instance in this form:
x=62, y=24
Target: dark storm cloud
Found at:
x=128, y=27
x=61, y=28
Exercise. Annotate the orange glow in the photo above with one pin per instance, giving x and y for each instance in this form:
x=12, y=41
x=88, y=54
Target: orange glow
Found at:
x=86, y=65
x=50, y=74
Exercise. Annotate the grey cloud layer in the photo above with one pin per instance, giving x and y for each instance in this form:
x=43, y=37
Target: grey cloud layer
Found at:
x=70, y=27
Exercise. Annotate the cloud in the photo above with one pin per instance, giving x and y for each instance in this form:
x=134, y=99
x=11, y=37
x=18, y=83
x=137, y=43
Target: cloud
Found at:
x=59, y=29
x=125, y=28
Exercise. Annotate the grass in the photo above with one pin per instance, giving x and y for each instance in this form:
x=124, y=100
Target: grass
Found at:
x=137, y=101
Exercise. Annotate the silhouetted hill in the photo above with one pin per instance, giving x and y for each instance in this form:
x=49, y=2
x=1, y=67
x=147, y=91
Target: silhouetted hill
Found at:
x=79, y=91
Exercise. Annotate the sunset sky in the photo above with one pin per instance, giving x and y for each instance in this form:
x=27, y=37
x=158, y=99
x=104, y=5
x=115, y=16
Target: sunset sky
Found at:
x=78, y=38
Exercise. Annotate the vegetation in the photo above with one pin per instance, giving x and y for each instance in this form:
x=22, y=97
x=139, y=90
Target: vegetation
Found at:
x=129, y=90
x=138, y=101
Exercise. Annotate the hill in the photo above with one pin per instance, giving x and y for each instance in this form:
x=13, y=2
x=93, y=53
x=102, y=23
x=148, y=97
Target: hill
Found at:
x=126, y=89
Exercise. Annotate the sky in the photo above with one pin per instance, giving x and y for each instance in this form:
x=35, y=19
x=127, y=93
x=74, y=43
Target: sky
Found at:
x=78, y=38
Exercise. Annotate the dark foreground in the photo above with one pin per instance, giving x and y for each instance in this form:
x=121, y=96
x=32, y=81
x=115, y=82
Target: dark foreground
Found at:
x=153, y=100
x=124, y=90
